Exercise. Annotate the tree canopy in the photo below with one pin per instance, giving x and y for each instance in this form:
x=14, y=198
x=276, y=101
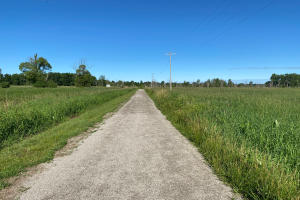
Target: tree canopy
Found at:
x=35, y=68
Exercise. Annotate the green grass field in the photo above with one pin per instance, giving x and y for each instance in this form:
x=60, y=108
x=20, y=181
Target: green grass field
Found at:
x=250, y=136
x=89, y=105
x=20, y=94
x=26, y=111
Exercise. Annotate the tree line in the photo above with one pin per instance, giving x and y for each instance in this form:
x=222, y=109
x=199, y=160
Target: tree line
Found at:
x=276, y=80
x=216, y=82
x=34, y=72
x=284, y=80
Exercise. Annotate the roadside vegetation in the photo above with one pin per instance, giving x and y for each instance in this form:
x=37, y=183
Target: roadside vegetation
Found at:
x=40, y=148
x=26, y=111
x=250, y=136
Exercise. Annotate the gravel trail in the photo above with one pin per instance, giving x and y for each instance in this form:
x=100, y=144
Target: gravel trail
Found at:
x=135, y=154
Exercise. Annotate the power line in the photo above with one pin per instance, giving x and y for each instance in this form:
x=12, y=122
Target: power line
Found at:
x=161, y=62
x=213, y=29
x=209, y=21
x=199, y=24
x=166, y=64
x=222, y=24
x=229, y=28
x=201, y=28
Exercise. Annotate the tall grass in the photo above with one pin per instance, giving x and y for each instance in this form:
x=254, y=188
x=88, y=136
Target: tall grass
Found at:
x=18, y=120
x=41, y=147
x=20, y=94
x=250, y=136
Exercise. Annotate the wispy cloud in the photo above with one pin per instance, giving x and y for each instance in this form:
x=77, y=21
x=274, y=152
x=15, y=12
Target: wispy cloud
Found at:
x=239, y=68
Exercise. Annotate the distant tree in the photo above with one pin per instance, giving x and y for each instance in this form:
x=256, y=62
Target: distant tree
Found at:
x=119, y=83
x=207, y=83
x=215, y=82
x=162, y=83
x=223, y=83
x=101, y=81
x=15, y=79
x=284, y=80
x=251, y=83
x=83, y=77
x=241, y=85
x=186, y=84
x=35, y=69
x=7, y=78
x=1, y=76
x=230, y=83
x=198, y=83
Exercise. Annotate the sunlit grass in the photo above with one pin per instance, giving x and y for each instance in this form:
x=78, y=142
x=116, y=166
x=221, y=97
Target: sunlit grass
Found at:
x=250, y=136
x=41, y=147
x=27, y=111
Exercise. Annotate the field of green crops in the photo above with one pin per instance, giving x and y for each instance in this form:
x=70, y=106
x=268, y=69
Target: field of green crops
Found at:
x=250, y=136
x=26, y=111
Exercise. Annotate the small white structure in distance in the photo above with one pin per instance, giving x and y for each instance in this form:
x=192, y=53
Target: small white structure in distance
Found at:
x=107, y=85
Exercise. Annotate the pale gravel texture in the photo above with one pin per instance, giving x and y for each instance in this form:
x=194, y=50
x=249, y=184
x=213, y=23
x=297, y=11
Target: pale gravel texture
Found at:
x=136, y=154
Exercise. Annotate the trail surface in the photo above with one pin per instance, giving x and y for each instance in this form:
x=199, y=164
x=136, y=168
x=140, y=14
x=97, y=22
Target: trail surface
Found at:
x=136, y=154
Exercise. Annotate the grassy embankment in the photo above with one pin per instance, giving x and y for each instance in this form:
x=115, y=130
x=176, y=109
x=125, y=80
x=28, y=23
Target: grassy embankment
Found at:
x=250, y=136
x=89, y=104
x=26, y=111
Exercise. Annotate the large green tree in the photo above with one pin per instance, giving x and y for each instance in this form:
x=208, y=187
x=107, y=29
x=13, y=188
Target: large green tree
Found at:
x=102, y=81
x=35, y=69
x=83, y=77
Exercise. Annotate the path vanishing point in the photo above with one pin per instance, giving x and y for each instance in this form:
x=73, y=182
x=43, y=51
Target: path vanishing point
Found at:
x=135, y=154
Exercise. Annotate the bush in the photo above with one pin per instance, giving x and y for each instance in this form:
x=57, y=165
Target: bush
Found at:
x=41, y=84
x=51, y=84
x=141, y=86
x=4, y=85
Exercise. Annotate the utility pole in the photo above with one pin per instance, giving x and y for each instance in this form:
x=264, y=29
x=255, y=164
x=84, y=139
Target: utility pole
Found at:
x=152, y=81
x=170, y=54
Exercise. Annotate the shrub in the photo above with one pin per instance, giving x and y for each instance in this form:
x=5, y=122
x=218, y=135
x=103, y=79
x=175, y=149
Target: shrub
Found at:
x=142, y=86
x=4, y=85
x=51, y=84
x=40, y=83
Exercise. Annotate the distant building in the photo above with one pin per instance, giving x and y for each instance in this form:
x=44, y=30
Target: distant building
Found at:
x=107, y=85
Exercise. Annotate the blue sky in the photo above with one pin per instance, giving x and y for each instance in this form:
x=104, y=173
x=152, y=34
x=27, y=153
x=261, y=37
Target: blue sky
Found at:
x=130, y=38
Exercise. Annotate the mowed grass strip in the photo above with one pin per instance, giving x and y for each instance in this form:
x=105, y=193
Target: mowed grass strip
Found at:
x=41, y=148
x=34, y=116
x=230, y=126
